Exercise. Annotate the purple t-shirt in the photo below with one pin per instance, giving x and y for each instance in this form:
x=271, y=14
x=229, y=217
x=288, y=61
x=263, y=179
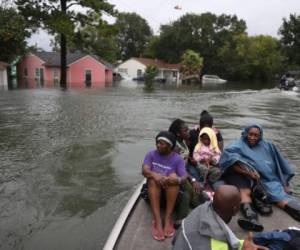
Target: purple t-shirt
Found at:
x=165, y=164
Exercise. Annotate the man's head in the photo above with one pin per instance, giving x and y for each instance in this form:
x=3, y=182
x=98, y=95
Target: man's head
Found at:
x=165, y=142
x=226, y=202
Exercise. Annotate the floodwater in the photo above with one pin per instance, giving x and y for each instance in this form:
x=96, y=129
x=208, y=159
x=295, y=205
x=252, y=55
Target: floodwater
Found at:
x=71, y=159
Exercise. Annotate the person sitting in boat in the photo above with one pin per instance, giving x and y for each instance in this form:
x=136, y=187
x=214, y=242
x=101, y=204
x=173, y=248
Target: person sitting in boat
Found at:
x=165, y=172
x=206, y=120
x=283, y=83
x=252, y=160
x=207, y=155
x=206, y=227
x=181, y=131
x=192, y=194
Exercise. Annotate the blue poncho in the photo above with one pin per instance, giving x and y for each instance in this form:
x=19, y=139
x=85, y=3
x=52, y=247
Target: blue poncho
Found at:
x=274, y=170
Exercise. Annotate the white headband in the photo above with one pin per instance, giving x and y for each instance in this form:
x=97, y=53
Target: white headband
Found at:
x=165, y=139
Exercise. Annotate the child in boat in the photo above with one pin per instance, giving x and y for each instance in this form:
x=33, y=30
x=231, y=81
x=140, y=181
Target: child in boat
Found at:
x=207, y=155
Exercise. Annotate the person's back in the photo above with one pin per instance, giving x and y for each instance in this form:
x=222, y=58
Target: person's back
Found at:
x=204, y=227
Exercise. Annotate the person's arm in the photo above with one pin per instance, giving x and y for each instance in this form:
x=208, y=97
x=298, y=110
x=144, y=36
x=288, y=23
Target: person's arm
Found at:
x=248, y=244
x=196, y=184
x=175, y=180
x=152, y=175
x=220, y=140
x=196, y=155
x=180, y=174
x=237, y=167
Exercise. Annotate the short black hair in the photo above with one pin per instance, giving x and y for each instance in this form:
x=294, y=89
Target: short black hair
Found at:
x=175, y=126
x=206, y=119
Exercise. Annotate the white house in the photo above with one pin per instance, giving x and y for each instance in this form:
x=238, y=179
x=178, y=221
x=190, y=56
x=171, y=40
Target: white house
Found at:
x=135, y=67
x=3, y=74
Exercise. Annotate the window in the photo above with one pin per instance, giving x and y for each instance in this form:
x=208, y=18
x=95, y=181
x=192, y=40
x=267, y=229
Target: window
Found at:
x=122, y=70
x=139, y=72
x=37, y=73
x=55, y=74
x=25, y=72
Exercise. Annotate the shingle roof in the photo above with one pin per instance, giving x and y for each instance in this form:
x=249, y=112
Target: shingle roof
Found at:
x=159, y=63
x=52, y=59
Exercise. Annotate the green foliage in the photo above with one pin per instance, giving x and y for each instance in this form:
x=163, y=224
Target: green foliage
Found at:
x=203, y=33
x=60, y=17
x=133, y=35
x=14, y=31
x=191, y=63
x=97, y=39
x=152, y=50
x=257, y=57
x=150, y=73
x=290, y=38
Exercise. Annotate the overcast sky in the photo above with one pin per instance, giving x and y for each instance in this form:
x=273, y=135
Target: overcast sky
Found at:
x=261, y=16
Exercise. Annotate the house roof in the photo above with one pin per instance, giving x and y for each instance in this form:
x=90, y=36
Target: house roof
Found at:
x=3, y=65
x=52, y=59
x=159, y=63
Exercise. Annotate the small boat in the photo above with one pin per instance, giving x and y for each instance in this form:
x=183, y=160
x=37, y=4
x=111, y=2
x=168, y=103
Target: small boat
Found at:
x=132, y=229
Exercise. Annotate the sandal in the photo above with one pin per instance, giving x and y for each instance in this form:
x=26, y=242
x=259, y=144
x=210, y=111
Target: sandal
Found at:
x=262, y=207
x=155, y=234
x=250, y=225
x=170, y=233
x=293, y=209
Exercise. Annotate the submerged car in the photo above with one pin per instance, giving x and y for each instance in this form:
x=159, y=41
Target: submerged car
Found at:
x=212, y=79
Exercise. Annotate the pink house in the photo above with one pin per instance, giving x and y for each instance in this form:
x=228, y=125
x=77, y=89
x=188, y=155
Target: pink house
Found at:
x=83, y=70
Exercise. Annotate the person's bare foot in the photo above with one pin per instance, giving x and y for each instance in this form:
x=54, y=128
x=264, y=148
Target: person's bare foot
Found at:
x=157, y=231
x=169, y=229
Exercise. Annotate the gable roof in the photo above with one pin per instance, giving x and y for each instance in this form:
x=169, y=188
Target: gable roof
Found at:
x=52, y=59
x=159, y=63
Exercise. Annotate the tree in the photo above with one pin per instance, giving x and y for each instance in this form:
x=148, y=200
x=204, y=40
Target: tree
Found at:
x=152, y=50
x=60, y=17
x=257, y=57
x=13, y=34
x=151, y=72
x=290, y=38
x=191, y=64
x=97, y=39
x=203, y=33
x=133, y=35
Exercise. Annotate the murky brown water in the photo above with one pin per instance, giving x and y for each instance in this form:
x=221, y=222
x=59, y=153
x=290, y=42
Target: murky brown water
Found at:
x=70, y=159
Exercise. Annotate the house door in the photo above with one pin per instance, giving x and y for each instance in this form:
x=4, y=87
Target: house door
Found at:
x=55, y=77
x=88, y=78
x=42, y=77
x=39, y=76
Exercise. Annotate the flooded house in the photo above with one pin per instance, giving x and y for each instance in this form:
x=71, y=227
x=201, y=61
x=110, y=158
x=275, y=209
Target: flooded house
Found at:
x=42, y=69
x=134, y=68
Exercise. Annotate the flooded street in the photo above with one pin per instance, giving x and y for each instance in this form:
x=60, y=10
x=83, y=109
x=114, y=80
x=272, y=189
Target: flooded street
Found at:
x=70, y=159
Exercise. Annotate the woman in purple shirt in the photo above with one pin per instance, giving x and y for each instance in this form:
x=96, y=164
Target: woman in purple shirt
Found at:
x=165, y=171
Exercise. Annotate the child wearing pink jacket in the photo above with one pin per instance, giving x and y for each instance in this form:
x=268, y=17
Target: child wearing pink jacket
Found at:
x=207, y=154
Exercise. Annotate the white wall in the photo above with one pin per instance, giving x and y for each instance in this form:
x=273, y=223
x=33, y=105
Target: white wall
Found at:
x=3, y=78
x=132, y=67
